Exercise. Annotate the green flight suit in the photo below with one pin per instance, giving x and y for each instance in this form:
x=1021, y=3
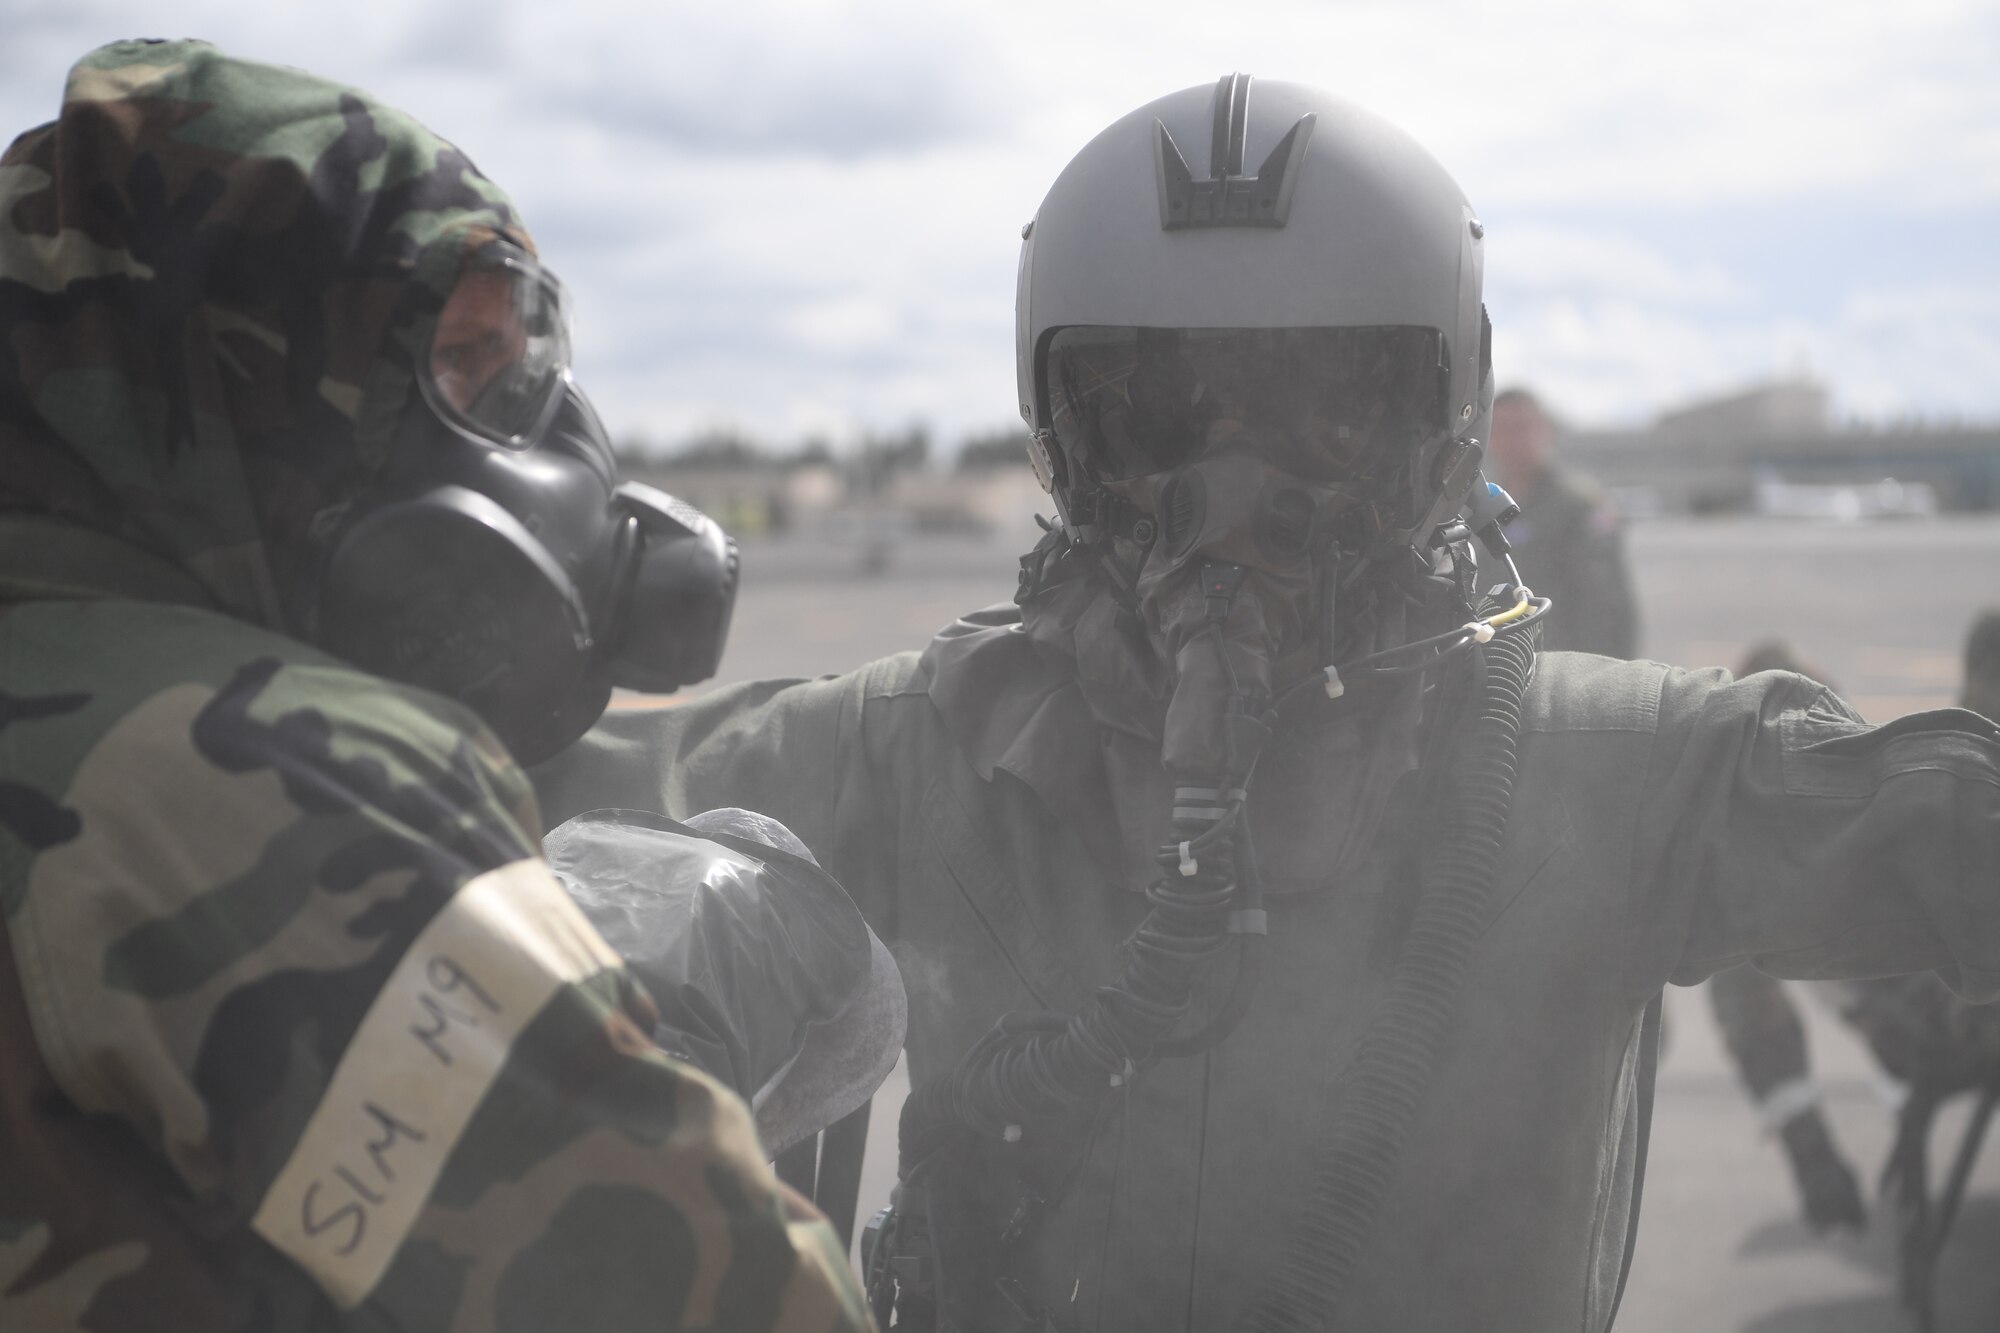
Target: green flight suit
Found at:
x=1665, y=824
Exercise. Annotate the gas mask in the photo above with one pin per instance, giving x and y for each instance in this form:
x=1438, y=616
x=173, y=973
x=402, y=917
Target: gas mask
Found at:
x=498, y=560
x=1245, y=471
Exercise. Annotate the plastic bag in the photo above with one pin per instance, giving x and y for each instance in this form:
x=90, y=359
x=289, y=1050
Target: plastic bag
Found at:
x=763, y=969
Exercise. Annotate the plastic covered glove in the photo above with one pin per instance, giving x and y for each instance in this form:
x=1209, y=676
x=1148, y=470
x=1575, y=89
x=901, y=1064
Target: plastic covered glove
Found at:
x=764, y=972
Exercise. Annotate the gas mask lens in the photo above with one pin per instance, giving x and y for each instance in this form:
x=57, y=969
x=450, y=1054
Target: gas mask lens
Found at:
x=1339, y=407
x=500, y=354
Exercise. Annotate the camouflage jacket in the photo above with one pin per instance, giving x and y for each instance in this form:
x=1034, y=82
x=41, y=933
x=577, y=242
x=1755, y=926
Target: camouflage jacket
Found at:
x=296, y=1029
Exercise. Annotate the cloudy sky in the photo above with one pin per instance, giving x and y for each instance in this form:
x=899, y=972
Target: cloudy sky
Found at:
x=801, y=217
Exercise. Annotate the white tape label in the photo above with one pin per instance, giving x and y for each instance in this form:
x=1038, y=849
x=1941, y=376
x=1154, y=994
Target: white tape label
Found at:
x=430, y=1046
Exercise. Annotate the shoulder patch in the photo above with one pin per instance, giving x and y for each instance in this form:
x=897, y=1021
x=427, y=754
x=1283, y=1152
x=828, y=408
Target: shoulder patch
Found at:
x=431, y=1045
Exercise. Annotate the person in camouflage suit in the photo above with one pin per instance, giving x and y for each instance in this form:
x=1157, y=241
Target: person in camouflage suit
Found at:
x=297, y=1030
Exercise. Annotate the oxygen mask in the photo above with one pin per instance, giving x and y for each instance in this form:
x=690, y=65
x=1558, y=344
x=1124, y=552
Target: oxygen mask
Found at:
x=1226, y=589
x=1250, y=462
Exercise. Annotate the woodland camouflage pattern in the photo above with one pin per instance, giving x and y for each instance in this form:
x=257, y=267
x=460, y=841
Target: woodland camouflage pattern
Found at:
x=216, y=844
x=212, y=274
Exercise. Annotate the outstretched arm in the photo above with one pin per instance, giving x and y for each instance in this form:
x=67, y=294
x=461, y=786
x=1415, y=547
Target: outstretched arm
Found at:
x=795, y=750
x=1780, y=827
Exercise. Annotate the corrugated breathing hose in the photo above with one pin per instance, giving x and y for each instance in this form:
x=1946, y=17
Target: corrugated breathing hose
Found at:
x=1383, y=1094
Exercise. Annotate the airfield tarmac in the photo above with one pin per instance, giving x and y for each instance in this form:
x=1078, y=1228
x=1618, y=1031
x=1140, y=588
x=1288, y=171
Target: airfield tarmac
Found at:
x=1880, y=607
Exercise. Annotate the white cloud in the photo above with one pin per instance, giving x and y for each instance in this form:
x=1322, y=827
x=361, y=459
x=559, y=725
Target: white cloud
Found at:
x=1888, y=353
x=802, y=215
x=1620, y=362
x=834, y=326
x=1578, y=262
x=1918, y=351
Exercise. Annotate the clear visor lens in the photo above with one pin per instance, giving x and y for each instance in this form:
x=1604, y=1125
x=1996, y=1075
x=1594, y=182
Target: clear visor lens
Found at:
x=1340, y=407
x=500, y=354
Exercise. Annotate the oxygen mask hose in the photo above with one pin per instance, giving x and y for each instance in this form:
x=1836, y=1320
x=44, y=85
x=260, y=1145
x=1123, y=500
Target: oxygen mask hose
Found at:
x=1248, y=922
x=1032, y=1066
x=1032, y=1071
x=1036, y=1065
x=1383, y=1092
x=1224, y=648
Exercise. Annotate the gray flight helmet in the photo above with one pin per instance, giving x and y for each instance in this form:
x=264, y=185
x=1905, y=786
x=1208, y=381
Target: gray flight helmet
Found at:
x=1286, y=207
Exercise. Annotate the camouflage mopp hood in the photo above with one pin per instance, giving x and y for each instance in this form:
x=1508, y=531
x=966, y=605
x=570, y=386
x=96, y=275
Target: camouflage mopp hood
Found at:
x=214, y=279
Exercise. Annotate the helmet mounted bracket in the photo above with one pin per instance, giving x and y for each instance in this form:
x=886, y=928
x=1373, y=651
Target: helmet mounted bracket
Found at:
x=1228, y=198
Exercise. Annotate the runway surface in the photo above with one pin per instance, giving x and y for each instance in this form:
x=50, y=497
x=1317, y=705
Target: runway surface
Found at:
x=1881, y=608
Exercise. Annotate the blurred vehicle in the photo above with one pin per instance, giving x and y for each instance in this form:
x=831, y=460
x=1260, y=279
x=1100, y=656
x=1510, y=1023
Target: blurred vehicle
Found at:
x=1844, y=501
x=1637, y=501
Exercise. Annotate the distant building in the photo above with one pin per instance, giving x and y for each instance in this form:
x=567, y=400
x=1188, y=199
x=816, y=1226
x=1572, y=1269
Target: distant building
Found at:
x=747, y=499
x=1796, y=407
x=759, y=498
x=1714, y=455
x=1001, y=500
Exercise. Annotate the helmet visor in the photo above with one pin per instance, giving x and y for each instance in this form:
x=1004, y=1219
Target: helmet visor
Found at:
x=500, y=353
x=1335, y=406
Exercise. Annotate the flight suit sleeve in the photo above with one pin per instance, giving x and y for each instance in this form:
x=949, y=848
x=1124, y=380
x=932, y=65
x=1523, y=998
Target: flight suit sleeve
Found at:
x=302, y=941
x=1782, y=829
x=796, y=750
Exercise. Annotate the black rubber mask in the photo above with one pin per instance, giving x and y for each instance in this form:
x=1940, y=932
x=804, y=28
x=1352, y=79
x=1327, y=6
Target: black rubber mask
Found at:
x=1253, y=455
x=525, y=581
x=1226, y=590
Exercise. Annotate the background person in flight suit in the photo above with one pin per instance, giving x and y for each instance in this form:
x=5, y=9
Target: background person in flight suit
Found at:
x=1568, y=541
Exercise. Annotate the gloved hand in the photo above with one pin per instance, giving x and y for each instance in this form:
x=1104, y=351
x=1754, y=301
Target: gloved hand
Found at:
x=1828, y=1189
x=762, y=969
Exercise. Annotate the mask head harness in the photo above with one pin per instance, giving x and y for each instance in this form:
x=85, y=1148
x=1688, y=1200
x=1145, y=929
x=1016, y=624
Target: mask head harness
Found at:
x=498, y=560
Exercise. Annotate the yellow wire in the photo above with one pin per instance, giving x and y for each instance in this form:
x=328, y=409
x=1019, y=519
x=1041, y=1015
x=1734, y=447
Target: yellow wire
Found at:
x=1512, y=613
